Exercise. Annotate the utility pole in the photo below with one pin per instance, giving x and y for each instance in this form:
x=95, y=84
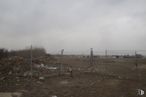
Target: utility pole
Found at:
x=31, y=60
x=136, y=61
x=106, y=53
x=62, y=51
x=92, y=61
x=91, y=56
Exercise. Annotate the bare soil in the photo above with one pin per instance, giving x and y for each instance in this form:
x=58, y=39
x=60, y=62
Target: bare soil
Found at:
x=105, y=78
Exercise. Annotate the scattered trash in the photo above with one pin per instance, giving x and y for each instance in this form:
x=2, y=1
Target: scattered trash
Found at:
x=10, y=72
x=41, y=78
x=42, y=65
x=53, y=96
x=140, y=92
x=27, y=73
x=46, y=66
x=52, y=68
x=119, y=77
x=64, y=82
x=39, y=82
x=16, y=94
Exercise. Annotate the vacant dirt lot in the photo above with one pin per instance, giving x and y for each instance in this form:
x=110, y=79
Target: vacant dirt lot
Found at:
x=107, y=77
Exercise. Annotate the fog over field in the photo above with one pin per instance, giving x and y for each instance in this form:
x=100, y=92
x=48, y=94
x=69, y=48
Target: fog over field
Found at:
x=75, y=25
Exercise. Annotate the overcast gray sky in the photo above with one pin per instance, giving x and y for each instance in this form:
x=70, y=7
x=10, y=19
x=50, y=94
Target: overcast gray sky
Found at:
x=75, y=25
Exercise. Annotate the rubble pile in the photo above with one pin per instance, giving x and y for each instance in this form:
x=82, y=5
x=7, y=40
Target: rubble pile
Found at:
x=17, y=66
x=15, y=69
x=44, y=60
x=13, y=66
x=10, y=71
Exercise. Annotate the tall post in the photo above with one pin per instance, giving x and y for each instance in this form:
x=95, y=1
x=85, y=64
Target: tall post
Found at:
x=91, y=56
x=136, y=61
x=106, y=53
x=62, y=51
x=31, y=60
x=136, y=64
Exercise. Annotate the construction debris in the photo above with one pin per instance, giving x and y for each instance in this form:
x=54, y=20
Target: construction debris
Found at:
x=41, y=78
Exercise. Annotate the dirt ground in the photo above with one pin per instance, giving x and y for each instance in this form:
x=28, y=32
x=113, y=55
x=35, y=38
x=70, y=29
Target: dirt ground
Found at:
x=105, y=78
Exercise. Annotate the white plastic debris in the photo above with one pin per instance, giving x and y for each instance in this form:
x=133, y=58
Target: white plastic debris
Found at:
x=10, y=72
x=42, y=65
x=41, y=78
x=52, y=68
x=28, y=73
x=53, y=96
x=140, y=92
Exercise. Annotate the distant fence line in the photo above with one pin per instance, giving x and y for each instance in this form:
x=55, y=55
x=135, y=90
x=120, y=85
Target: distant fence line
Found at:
x=103, y=52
